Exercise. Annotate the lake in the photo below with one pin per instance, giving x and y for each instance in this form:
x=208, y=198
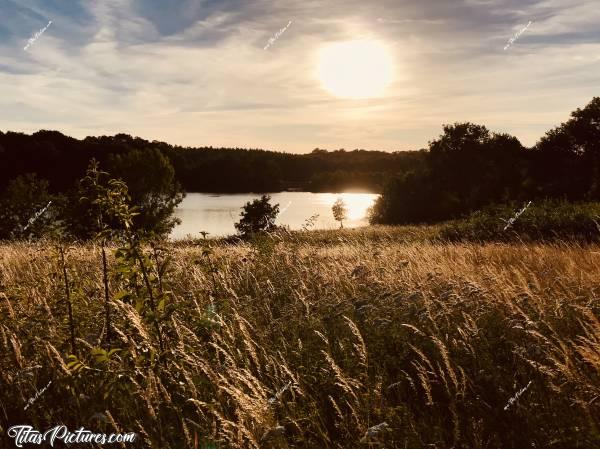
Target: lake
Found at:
x=216, y=213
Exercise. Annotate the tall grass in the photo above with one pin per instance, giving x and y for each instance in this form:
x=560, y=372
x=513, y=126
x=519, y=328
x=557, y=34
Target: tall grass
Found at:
x=314, y=340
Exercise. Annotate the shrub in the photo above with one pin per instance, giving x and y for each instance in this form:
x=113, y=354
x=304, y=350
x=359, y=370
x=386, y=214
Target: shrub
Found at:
x=257, y=216
x=546, y=220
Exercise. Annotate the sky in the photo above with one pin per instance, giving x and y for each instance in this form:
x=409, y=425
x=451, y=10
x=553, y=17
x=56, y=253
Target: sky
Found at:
x=196, y=72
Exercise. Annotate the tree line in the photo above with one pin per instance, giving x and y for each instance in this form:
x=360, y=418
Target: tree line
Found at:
x=61, y=160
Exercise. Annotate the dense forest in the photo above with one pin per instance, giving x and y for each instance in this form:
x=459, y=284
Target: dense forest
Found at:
x=61, y=160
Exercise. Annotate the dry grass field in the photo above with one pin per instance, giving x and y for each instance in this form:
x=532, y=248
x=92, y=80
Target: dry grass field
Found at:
x=376, y=338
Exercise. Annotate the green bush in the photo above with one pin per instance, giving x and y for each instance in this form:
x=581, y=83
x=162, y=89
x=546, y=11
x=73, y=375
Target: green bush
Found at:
x=546, y=220
x=258, y=216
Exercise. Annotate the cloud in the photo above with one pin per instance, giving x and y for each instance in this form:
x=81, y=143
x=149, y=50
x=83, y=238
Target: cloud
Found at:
x=195, y=72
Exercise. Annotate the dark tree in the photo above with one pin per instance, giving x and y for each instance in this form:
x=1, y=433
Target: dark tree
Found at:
x=257, y=216
x=152, y=185
x=567, y=159
x=475, y=166
x=466, y=168
x=25, y=207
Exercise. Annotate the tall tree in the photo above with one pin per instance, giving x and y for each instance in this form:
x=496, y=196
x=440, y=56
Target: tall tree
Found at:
x=150, y=178
x=466, y=168
x=568, y=156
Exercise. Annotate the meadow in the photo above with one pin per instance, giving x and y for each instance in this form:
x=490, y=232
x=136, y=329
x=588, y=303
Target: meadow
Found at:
x=380, y=337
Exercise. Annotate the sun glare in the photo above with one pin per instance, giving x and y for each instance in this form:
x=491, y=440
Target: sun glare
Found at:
x=355, y=69
x=357, y=204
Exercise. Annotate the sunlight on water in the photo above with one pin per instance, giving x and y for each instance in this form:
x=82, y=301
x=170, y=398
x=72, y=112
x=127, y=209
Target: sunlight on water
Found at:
x=356, y=203
x=217, y=213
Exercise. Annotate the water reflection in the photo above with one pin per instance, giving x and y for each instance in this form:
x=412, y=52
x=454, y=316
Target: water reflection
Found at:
x=216, y=214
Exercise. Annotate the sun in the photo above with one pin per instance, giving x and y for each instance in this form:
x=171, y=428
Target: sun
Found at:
x=355, y=69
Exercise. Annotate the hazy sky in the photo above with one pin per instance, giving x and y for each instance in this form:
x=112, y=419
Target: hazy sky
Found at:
x=195, y=72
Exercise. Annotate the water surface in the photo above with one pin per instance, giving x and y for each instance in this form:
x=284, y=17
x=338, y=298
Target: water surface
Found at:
x=216, y=213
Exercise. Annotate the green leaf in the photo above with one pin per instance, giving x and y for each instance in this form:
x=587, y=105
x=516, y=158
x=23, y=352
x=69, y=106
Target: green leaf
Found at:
x=99, y=355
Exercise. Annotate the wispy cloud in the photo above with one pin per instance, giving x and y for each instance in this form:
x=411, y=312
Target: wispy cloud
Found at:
x=195, y=73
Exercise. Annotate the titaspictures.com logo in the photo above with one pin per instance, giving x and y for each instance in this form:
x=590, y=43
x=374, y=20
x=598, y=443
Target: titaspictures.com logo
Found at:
x=24, y=434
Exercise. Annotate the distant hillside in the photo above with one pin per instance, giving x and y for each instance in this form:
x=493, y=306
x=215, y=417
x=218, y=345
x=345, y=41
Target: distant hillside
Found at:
x=62, y=160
